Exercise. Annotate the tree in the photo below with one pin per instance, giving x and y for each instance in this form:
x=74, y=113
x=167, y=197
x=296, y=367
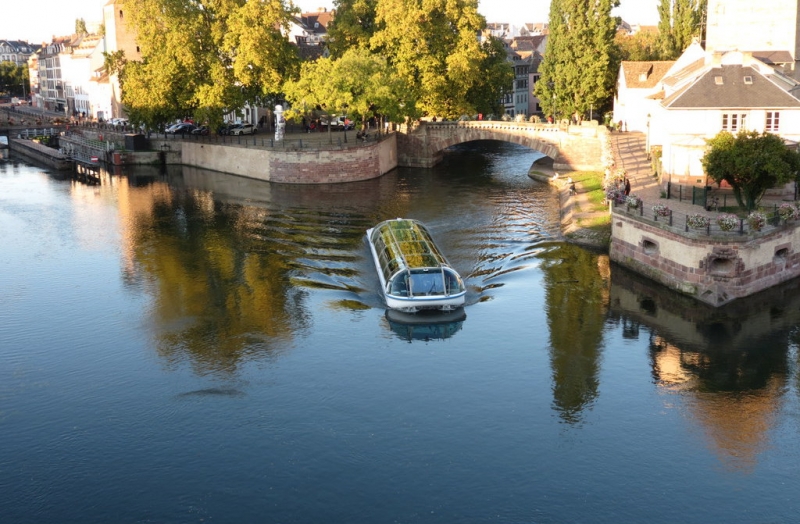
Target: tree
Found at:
x=751, y=163
x=680, y=21
x=80, y=27
x=13, y=79
x=359, y=83
x=433, y=46
x=639, y=47
x=353, y=25
x=579, y=68
x=206, y=57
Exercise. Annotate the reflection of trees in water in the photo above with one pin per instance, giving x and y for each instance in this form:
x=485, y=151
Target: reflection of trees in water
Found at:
x=219, y=294
x=728, y=365
x=577, y=298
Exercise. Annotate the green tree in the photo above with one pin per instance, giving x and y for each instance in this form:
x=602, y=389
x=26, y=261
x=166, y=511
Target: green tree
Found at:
x=751, y=163
x=359, y=83
x=433, y=46
x=580, y=65
x=80, y=27
x=13, y=79
x=639, y=47
x=353, y=25
x=680, y=21
x=206, y=57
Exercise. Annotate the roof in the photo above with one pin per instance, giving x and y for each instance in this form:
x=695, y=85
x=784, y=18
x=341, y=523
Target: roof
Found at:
x=774, y=57
x=645, y=75
x=731, y=86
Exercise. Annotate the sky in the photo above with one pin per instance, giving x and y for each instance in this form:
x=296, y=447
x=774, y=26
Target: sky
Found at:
x=43, y=19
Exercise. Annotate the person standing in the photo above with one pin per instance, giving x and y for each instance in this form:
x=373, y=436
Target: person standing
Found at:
x=627, y=186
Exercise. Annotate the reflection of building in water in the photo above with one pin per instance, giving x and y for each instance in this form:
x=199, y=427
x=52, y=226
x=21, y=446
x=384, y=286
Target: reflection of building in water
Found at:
x=728, y=366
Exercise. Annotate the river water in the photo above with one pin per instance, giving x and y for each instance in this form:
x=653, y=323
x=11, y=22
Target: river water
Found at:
x=189, y=346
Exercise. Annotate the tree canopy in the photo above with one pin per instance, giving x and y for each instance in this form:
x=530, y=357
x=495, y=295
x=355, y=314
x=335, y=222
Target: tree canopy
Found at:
x=205, y=57
x=751, y=163
x=353, y=25
x=680, y=21
x=639, y=47
x=13, y=79
x=579, y=67
x=358, y=83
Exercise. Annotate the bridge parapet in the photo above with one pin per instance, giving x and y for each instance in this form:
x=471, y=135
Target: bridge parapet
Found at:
x=572, y=148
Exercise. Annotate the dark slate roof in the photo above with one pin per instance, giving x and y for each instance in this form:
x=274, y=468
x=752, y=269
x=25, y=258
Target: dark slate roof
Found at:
x=724, y=87
x=774, y=57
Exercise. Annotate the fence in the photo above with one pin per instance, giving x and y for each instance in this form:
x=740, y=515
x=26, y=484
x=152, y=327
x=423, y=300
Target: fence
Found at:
x=708, y=224
x=698, y=195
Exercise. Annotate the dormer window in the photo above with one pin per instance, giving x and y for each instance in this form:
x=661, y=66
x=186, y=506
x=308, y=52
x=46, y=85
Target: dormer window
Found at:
x=748, y=80
x=718, y=80
x=316, y=25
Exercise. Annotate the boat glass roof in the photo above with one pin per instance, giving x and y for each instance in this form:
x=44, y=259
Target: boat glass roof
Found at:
x=404, y=243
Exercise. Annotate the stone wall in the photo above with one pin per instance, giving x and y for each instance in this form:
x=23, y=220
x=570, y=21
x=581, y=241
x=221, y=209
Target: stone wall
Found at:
x=40, y=154
x=713, y=269
x=294, y=167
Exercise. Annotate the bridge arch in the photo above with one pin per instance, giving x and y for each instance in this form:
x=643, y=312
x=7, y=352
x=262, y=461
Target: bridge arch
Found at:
x=574, y=148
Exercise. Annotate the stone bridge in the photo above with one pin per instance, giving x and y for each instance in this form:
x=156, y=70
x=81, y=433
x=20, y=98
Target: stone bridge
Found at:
x=572, y=148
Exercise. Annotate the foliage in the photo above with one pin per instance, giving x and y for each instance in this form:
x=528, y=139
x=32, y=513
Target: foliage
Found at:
x=434, y=48
x=697, y=221
x=680, y=21
x=756, y=220
x=358, y=83
x=80, y=27
x=727, y=222
x=13, y=79
x=352, y=27
x=751, y=163
x=661, y=210
x=632, y=202
x=579, y=68
x=642, y=46
x=205, y=57
x=788, y=211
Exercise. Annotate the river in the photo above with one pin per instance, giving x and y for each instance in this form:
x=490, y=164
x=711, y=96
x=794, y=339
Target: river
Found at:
x=186, y=346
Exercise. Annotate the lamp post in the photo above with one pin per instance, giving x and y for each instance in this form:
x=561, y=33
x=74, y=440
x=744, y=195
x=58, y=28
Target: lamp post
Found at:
x=647, y=146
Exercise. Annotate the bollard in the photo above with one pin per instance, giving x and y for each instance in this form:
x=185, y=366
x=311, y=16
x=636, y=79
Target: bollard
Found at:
x=741, y=226
x=670, y=217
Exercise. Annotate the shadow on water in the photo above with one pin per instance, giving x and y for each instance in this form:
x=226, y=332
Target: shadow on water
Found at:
x=425, y=325
x=729, y=366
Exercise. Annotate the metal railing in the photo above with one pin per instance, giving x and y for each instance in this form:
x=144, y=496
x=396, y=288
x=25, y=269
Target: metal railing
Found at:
x=702, y=223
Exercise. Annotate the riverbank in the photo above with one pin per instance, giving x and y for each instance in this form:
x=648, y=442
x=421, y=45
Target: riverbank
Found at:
x=583, y=220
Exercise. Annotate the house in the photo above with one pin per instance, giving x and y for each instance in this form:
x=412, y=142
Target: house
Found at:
x=638, y=90
x=16, y=51
x=704, y=93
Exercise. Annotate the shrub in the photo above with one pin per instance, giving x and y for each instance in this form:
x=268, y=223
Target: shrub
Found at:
x=727, y=222
x=661, y=210
x=697, y=221
x=756, y=220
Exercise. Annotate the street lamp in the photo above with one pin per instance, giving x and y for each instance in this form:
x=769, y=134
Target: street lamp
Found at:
x=647, y=147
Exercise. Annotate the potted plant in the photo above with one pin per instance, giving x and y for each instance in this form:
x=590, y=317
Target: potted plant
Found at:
x=727, y=222
x=787, y=211
x=632, y=202
x=756, y=220
x=661, y=210
x=697, y=221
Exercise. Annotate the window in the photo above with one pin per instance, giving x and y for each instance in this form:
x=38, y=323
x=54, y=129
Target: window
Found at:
x=734, y=122
x=773, y=121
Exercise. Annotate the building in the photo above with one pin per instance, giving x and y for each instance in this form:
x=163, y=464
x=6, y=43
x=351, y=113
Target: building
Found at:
x=118, y=36
x=16, y=51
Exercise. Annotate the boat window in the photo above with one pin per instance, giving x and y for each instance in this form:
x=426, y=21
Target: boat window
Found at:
x=400, y=285
x=426, y=283
x=453, y=281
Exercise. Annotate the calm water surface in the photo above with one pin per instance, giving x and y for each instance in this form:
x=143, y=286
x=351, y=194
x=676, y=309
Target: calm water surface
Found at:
x=190, y=346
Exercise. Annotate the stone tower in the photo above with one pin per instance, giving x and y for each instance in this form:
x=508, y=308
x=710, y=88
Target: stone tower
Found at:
x=770, y=29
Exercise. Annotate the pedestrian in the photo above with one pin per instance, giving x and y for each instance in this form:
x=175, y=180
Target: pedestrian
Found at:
x=627, y=186
x=619, y=126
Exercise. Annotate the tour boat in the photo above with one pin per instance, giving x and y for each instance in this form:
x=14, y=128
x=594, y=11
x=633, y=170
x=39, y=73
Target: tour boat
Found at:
x=414, y=274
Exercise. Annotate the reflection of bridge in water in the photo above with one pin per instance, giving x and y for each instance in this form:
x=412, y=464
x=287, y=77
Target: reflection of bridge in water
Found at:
x=578, y=148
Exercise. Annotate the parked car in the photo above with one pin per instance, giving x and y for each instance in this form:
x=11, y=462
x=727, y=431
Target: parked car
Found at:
x=181, y=129
x=202, y=130
x=244, y=129
x=337, y=122
x=226, y=129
